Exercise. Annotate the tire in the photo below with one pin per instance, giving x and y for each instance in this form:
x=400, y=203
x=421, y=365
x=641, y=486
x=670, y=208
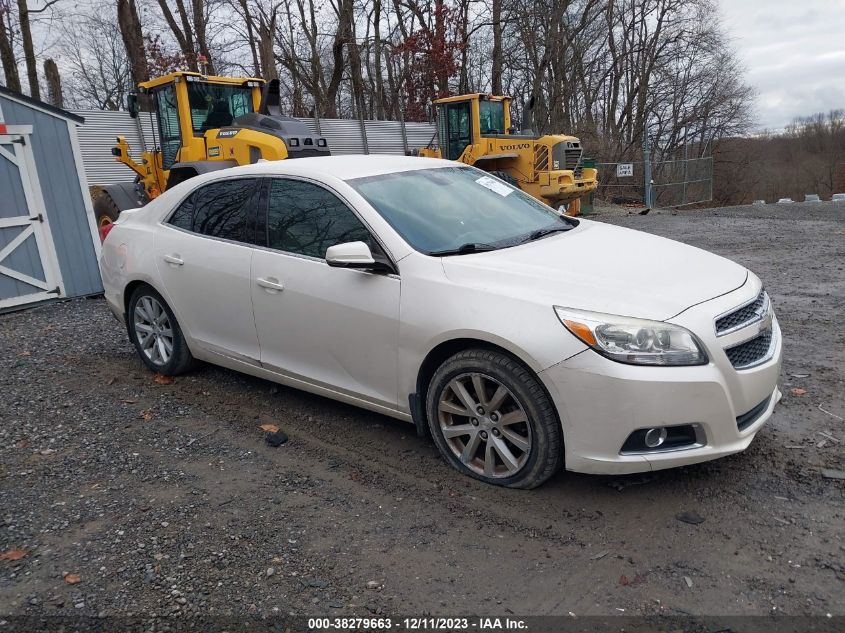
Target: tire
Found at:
x=503, y=175
x=148, y=308
x=105, y=210
x=522, y=418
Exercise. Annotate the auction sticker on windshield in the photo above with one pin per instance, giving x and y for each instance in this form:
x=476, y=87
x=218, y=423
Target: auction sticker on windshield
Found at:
x=495, y=185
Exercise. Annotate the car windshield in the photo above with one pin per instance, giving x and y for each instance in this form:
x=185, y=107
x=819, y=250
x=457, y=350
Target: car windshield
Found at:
x=444, y=209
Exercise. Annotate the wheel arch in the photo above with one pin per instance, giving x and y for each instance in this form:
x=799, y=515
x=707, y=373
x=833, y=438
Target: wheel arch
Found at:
x=445, y=349
x=129, y=290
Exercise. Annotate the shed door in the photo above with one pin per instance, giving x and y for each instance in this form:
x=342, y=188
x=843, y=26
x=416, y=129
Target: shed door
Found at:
x=28, y=263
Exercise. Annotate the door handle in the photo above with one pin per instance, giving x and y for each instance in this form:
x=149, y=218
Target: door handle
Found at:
x=174, y=259
x=270, y=284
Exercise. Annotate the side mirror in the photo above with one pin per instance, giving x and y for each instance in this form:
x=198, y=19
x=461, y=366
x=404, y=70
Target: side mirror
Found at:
x=356, y=255
x=132, y=104
x=431, y=112
x=350, y=255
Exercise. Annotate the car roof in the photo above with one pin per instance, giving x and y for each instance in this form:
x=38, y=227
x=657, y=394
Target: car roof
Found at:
x=345, y=167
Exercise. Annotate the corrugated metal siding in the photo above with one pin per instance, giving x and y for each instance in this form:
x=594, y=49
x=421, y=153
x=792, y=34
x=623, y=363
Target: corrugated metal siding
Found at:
x=343, y=135
x=420, y=135
x=101, y=128
x=384, y=137
x=312, y=124
x=63, y=199
x=98, y=136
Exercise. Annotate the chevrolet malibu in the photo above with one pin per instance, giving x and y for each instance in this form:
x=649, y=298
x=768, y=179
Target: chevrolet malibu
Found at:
x=520, y=339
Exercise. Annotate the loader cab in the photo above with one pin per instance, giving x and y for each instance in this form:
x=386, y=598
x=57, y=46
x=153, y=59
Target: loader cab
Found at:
x=465, y=120
x=188, y=104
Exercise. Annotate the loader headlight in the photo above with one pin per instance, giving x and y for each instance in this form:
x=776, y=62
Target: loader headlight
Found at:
x=634, y=341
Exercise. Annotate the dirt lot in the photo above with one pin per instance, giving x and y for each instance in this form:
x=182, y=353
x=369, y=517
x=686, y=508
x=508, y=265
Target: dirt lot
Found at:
x=161, y=498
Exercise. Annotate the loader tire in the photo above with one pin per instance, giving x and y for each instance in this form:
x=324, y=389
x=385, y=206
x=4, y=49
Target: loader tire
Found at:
x=573, y=208
x=105, y=210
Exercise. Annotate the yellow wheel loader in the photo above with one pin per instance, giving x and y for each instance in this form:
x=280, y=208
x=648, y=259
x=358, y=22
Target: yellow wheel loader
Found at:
x=204, y=123
x=476, y=129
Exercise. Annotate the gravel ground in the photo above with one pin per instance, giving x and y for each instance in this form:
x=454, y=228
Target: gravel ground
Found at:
x=131, y=497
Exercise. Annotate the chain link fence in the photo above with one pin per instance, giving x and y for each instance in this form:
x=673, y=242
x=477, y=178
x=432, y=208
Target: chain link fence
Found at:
x=670, y=183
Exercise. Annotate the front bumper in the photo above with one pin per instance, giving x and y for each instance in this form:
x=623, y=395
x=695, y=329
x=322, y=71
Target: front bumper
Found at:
x=601, y=402
x=562, y=185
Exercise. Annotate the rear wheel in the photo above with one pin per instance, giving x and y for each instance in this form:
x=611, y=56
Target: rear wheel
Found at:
x=105, y=210
x=492, y=420
x=156, y=334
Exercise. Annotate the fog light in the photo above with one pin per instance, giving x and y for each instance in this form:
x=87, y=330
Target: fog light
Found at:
x=659, y=439
x=655, y=437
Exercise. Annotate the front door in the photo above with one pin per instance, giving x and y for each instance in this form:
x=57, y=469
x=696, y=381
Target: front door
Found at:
x=331, y=327
x=459, y=129
x=204, y=255
x=29, y=269
x=170, y=136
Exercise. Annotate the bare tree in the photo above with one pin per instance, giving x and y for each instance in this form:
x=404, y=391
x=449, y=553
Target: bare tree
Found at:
x=132, y=35
x=100, y=73
x=190, y=30
x=7, y=51
x=54, y=83
x=613, y=72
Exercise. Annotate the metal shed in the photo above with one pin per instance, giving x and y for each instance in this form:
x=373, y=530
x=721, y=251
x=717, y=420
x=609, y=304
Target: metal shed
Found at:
x=49, y=244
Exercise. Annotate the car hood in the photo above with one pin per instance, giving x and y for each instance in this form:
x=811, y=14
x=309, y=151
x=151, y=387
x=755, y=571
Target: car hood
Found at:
x=602, y=268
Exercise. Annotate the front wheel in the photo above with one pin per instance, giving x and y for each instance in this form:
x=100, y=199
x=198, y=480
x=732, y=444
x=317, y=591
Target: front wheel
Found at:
x=492, y=420
x=156, y=334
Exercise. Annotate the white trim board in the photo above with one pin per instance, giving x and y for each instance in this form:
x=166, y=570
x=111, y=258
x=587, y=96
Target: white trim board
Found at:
x=84, y=190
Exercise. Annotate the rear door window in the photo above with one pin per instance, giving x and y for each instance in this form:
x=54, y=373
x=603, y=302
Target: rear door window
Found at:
x=224, y=209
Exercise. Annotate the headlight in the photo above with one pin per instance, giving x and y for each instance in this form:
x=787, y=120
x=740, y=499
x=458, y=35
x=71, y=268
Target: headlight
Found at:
x=634, y=341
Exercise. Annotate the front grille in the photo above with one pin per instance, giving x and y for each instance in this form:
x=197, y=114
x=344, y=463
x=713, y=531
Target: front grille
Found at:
x=566, y=155
x=747, y=419
x=742, y=316
x=751, y=352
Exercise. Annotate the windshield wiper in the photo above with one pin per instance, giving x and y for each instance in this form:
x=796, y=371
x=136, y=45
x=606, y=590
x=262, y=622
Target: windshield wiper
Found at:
x=464, y=249
x=536, y=235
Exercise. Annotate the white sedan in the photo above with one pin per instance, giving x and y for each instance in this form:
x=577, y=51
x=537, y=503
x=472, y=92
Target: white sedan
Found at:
x=520, y=339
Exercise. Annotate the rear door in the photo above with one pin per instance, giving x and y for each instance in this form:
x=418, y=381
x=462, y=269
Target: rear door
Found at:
x=204, y=255
x=332, y=327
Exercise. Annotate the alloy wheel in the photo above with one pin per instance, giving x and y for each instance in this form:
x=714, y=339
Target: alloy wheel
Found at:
x=484, y=425
x=153, y=330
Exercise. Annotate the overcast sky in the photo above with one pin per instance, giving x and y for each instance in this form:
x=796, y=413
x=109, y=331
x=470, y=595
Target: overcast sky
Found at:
x=794, y=52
